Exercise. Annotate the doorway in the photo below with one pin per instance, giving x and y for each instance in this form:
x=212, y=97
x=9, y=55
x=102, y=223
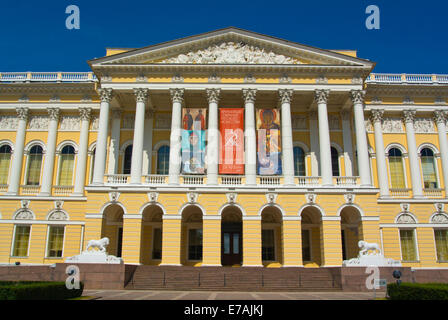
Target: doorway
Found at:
x=231, y=244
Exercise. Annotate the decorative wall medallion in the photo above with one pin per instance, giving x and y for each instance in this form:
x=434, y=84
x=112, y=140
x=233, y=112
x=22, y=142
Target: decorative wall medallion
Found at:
x=70, y=123
x=192, y=197
x=406, y=218
x=8, y=122
x=310, y=198
x=39, y=122
x=405, y=207
x=113, y=196
x=232, y=53
x=349, y=198
x=439, y=206
x=153, y=196
x=58, y=204
x=271, y=197
x=25, y=204
x=231, y=197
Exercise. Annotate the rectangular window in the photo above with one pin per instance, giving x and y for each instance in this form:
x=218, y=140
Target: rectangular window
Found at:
x=267, y=245
x=408, y=250
x=396, y=173
x=66, y=169
x=55, y=241
x=21, y=241
x=441, y=237
x=34, y=166
x=195, y=244
x=157, y=244
x=306, y=247
x=4, y=167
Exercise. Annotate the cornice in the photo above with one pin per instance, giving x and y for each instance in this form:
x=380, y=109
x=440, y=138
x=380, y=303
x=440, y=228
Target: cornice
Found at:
x=48, y=88
x=403, y=90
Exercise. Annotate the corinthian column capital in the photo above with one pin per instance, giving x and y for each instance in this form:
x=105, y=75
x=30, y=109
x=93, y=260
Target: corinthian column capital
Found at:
x=213, y=95
x=106, y=94
x=321, y=95
x=409, y=116
x=376, y=115
x=85, y=113
x=357, y=96
x=439, y=116
x=249, y=95
x=177, y=95
x=54, y=113
x=22, y=113
x=285, y=95
x=141, y=94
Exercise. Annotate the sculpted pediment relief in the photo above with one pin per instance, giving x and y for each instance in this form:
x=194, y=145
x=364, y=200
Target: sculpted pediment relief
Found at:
x=231, y=53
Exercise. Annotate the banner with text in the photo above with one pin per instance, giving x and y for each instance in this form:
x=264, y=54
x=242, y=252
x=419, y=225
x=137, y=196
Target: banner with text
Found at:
x=269, y=144
x=231, y=126
x=193, y=141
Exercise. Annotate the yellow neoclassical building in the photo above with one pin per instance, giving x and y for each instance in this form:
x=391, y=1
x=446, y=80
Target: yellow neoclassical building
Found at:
x=224, y=148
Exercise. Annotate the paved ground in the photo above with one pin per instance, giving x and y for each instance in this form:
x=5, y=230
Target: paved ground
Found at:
x=201, y=295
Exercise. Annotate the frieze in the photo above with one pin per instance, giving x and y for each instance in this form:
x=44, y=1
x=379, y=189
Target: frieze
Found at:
x=231, y=53
x=8, y=122
x=70, y=123
x=424, y=125
x=163, y=121
x=299, y=122
x=38, y=122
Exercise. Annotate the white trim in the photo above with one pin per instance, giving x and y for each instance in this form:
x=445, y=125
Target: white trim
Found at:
x=395, y=145
x=109, y=203
x=171, y=217
x=429, y=146
x=275, y=205
x=64, y=143
x=237, y=205
x=435, y=213
x=211, y=217
x=292, y=218
x=63, y=222
x=365, y=218
x=132, y=216
x=149, y=204
x=353, y=205
x=331, y=218
x=32, y=143
x=314, y=205
x=186, y=205
x=20, y=210
x=402, y=213
x=413, y=225
x=56, y=210
x=252, y=218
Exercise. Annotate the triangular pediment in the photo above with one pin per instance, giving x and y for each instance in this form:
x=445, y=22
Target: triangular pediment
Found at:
x=230, y=46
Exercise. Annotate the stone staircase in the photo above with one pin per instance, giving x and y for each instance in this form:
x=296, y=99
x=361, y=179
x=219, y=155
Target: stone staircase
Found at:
x=235, y=279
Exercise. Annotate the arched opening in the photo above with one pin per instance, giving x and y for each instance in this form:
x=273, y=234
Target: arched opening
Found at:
x=127, y=159
x=151, y=235
x=231, y=236
x=351, y=232
x=335, y=162
x=271, y=237
x=396, y=169
x=163, y=159
x=34, y=165
x=66, y=166
x=429, y=169
x=112, y=227
x=299, y=162
x=311, y=237
x=5, y=160
x=191, y=237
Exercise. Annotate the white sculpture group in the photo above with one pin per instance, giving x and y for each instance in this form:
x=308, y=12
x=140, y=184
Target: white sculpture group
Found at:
x=370, y=255
x=95, y=253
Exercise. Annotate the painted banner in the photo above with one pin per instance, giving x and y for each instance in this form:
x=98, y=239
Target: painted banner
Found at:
x=231, y=126
x=269, y=144
x=193, y=141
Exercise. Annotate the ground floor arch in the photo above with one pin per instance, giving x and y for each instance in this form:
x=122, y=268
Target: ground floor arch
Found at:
x=191, y=236
x=271, y=237
x=151, y=235
x=112, y=228
x=231, y=236
x=311, y=237
x=351, y=231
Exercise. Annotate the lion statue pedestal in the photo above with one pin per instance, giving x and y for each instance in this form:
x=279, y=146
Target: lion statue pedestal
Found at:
x=370, y=255
x=90, y=255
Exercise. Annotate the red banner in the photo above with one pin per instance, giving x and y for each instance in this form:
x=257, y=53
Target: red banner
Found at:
x=231, y=126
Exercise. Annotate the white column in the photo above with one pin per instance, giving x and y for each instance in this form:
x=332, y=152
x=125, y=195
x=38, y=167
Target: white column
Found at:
x=101, y=142
x=114, y=146
x=361, y=138
x=177, y=97
x=250, y=145
x=408, y=118
x=314, y=144
x=383, y=182
x=147, y=144
x=348, y=144
x=212, y=137
x=47, y=175
x=139, y=135
x=17, y=157
x=440, y=119
x=287, y=144
x=80, y=176
x=321, y=97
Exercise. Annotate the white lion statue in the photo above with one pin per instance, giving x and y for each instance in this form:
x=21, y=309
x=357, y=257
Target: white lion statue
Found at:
x=100, y=244
x=366, y=247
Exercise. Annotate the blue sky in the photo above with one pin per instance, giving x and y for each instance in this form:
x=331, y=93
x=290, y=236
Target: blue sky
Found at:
x=412, y=36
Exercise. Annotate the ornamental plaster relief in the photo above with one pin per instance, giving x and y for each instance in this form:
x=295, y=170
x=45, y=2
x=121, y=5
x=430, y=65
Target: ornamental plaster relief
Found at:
x=8, y=122
x=424, y=125
x=70, y=123
x=39, y=123
x=232, y=53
